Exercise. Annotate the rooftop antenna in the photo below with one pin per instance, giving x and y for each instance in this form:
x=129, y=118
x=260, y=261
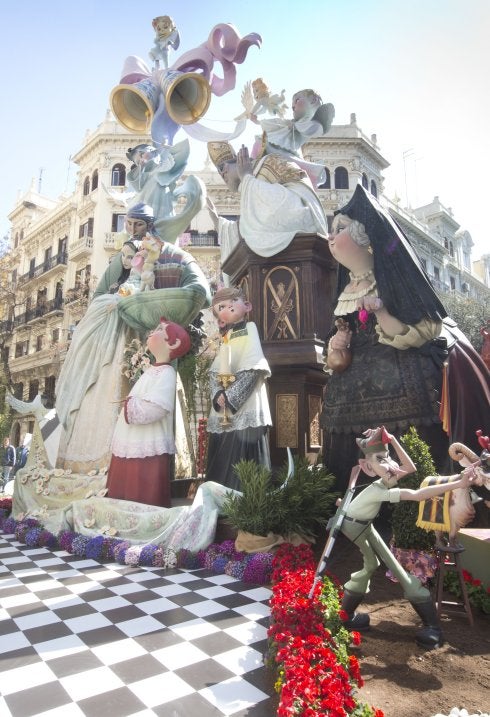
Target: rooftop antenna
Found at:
x=40, y=180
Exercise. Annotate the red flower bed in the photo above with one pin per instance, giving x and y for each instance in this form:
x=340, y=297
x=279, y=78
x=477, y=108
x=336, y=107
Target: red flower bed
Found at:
x=308, y=643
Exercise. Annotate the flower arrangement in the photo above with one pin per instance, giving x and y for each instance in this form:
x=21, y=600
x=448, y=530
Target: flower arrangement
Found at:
x=219, y=558
x=6, y=506
x=308, y=643
x=416, y=562
x=136, y=359
x=478, y=595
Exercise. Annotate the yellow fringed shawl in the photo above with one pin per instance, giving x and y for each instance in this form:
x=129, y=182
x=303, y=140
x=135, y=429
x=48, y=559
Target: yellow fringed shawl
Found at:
x=434, y=512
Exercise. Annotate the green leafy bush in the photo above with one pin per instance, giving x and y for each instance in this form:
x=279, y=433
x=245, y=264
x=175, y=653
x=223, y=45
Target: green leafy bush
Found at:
x=299, y=504
x=405, y=532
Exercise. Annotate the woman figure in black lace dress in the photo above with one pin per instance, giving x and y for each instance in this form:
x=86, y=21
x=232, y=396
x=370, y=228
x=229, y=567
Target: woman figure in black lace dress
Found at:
x=391, y=345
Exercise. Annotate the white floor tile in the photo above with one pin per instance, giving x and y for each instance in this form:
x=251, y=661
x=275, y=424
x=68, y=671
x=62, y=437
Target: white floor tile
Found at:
x=13, y=641
x=258, y=593
x=157, y=605
x=214, y=592
x=140, y=626
x=37, y=619
x=60, y=647
x=114, y=652
x=9, y=583
x=4, y=710
x=204, y=608
x=60, y=601
x=253, y=610
x=94, y=682
x=169, y=590
x=84, y=564
x=83, y=587
x=126, y=588
x=160, y=689
x=240, y=659
x=179, y=655
x=44, y=584
x=221, y=579
x=232, y=695
x=48, y=562
x=181, y=578
x=142, y=577
x=65, y=574
x=193, y=629
x=87, y=622
x=17, y=600
x=5, y=549
x=20, y=678
x=247, y=632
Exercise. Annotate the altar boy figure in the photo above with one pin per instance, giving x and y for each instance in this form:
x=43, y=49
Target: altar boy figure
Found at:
x=237, y=424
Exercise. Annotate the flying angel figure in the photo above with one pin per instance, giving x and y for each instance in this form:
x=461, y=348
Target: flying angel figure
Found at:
x=257, y=99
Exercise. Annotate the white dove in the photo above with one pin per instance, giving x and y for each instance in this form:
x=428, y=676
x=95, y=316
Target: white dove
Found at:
x=122, y=199
x=34, y=407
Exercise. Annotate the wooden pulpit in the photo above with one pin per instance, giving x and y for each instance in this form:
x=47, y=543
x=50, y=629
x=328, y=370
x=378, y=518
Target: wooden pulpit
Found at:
x=292, y=295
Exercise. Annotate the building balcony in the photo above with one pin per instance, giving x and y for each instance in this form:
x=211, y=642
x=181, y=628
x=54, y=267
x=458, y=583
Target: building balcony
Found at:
x=33, y=360
x=113, y=240
x=192, y=239
x=39, y=311
x=80, y=248
x=439, y=285
x=77, y=293
x=56, y=262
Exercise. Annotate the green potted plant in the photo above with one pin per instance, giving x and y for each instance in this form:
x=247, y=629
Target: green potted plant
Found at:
x=413, y=546
x=290, y=508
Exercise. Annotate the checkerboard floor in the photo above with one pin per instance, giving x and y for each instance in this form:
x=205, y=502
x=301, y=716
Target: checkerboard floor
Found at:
x=82, y=638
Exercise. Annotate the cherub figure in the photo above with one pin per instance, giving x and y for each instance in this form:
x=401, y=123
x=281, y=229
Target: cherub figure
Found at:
x=358, y=527
x=257, y=99
x=144, y=261
x=166, y=36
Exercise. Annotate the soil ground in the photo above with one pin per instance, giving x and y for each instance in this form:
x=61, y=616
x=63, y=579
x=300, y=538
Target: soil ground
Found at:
x=402, y=679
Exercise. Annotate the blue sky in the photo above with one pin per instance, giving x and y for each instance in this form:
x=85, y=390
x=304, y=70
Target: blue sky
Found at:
x=415, y=73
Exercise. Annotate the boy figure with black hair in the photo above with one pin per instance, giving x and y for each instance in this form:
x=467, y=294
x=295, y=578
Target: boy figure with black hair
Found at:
x=358, y=527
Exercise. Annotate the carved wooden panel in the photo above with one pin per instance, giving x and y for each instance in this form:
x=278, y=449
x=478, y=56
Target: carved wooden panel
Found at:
x=282, y=311
x=287, y=420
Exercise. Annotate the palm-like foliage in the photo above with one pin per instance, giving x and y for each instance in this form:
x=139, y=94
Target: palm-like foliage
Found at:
x=294, y=504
